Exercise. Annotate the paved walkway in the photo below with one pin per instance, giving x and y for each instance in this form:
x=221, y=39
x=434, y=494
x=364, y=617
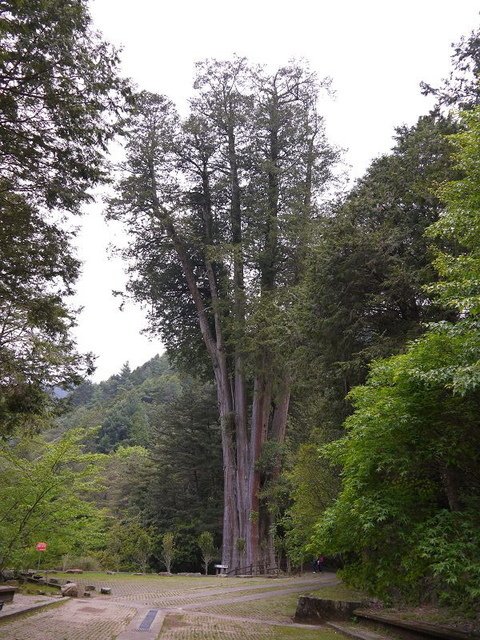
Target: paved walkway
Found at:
x=23, y=603
x=174, y=609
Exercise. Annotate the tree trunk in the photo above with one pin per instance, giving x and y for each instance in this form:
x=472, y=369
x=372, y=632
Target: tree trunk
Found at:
x=227, y=423
x=240, y=402
x=260, y=416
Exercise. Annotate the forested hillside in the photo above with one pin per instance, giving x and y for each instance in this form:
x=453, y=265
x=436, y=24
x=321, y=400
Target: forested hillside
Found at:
x=125, y=407
x=146, y=447
x=163, y=471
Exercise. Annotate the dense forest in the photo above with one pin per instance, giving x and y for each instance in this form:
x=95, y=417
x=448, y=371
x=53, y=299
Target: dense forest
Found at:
x=320, y=390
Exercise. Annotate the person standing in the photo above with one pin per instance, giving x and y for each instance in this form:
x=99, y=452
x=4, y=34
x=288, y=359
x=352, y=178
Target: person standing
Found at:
x=320, y=564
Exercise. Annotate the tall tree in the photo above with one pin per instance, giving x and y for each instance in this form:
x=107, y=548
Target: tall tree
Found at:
x=36, y=351
x=219, y=207
x=364, y=299
x=60, y=94
x=180, y=488
x=364, y=291
x=460, y=88
x=59, y=88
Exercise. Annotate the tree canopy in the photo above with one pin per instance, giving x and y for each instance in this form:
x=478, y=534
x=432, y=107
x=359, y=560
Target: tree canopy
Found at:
x=408, y=508
x=60, y=98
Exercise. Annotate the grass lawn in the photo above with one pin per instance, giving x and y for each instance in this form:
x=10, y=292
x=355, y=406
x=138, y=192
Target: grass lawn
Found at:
x=191, y=627
x=32, y=589
x=339, y=592
x=281, y=609
x=172, y=581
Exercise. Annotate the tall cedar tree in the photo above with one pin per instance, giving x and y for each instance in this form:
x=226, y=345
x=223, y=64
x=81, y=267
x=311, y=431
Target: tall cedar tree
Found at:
x=219, y=206
x=59, y=94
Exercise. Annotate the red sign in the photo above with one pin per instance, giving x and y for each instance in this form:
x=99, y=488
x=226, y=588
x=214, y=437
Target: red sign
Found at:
x=41, y=546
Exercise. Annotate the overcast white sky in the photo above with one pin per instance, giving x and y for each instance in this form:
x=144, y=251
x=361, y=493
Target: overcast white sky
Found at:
x=376, y=51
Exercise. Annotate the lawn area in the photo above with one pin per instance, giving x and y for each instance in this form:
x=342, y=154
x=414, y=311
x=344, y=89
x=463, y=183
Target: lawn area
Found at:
x=173, y=581
x=32, y=589
x=192, y=627
x=281, y=609
x=339, y=592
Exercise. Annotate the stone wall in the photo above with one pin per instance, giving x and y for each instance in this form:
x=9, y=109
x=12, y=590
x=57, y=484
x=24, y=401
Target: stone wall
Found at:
x=318, y=610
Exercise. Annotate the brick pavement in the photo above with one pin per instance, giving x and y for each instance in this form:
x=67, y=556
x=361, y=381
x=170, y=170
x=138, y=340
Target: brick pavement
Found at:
x=190, y=608
x=75, y=620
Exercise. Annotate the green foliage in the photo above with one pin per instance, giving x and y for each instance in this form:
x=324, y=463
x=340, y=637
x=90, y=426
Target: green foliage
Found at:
x=123, y=493
x=460, y=225
x=207, y=547
x=313, y=485
x=174, y=482
x=44, y=496
x=129, y=545
x=364, y=296
x=241, y=544
x=169, y=549
x=87, y=563
x=37, y=353
x=460, y=89
x=55, y=66
x=263, y=230
x=60, y=95
x=407, y=517
x=125, y=407
x=126, y=422
x=181, y=489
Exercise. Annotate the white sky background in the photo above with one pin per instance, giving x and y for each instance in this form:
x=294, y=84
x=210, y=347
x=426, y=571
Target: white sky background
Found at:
x=376, y=51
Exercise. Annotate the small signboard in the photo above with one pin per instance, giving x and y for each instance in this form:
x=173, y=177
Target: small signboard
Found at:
x=41, y=546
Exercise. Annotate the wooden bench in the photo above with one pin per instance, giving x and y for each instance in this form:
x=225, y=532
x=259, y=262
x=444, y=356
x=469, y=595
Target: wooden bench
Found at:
x=221, y=569
x=6, y=593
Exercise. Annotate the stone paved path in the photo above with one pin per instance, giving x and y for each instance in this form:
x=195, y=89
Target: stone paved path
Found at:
x=188, y=609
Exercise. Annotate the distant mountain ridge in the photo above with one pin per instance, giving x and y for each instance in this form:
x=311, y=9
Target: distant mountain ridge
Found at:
x=125, y=406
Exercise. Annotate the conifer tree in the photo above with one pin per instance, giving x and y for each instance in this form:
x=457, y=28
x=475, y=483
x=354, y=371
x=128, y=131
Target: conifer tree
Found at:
x=219, y=207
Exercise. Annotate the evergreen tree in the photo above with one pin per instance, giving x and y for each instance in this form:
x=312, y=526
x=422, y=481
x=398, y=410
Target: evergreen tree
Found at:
x=219, y=208
x=181, y=488
x=365, y=294
x=60, y=94
x=59, y=88
x=365, y=298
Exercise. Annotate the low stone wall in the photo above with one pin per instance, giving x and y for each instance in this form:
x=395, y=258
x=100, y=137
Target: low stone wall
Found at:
x=415, y=629
x=6, y=593
x=310, y=609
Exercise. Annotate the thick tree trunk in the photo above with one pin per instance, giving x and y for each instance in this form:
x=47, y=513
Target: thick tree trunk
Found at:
x=262, y=395
x=230, y=512
x=240, y=401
